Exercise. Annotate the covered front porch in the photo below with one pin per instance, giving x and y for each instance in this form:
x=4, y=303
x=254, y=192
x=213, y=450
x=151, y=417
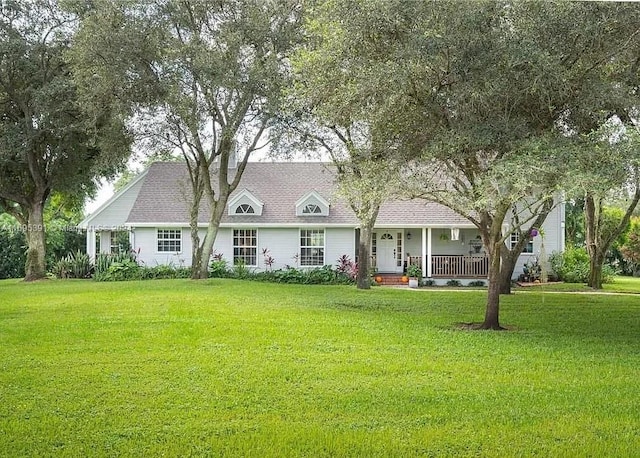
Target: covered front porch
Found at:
x=445, y=252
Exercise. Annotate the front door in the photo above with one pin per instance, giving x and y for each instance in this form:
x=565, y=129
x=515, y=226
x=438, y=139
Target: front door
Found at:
x=386, y=252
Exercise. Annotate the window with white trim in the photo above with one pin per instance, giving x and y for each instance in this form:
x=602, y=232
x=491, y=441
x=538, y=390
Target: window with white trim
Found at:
x=245, y=209
x=311, y=247
x=513, y=240
x=312, y=209
x=169, y=240
x=119, y=242
x=312, y=204
x=245, y=247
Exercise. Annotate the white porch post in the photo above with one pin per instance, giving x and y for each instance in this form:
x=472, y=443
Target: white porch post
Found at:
x=91, y=243
x=132, y=239
x=428, y=251
x=425, y=272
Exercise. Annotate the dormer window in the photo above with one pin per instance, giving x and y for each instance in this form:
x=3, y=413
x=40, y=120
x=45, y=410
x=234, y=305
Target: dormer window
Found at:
x=312, y=204
x=244, y=209
x=245, y=203
x=311, y=209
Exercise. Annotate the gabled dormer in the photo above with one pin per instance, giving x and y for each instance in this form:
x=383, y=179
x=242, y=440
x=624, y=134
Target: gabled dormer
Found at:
x=312, y=204
x=245, y=204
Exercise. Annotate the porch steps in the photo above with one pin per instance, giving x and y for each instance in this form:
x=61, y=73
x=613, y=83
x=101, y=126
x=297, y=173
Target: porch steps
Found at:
x=390, y=279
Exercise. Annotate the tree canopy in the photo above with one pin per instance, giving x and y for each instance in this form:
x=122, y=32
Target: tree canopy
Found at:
x=48, y=141
x=484, y=96
x=212, y=73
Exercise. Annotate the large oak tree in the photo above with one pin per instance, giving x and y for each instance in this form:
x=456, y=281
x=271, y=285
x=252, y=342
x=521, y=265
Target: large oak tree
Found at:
x=490, y=95
x=214, y=73
x=48, y=141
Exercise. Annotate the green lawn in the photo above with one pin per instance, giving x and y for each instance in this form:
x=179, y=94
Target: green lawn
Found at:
x=620, y=285
x=230, y=368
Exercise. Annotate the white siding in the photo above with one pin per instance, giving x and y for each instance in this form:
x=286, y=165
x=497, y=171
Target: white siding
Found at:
x=339, y=241
x=553, y=228
x=283, y=245
x=114, y=214
x=146, y=245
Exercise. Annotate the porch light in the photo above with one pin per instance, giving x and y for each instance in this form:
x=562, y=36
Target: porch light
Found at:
x=455, y=233
x=408, y=235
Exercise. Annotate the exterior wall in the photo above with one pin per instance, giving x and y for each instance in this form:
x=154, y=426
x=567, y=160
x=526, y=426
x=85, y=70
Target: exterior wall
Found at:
x=553, y=228
x=446, y=246
x=283, y=244
x=110, y=217
x=114, y=215
x=145, y=244
x=338, y=242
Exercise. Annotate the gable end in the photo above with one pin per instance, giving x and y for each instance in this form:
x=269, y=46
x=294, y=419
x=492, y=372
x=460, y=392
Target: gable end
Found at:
x=312, y=204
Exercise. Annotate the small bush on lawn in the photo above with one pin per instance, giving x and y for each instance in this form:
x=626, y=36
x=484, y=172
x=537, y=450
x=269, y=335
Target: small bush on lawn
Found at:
x=219, y=269
x=572, y=266
x=476, y=283
x=454, y=283
x=73, y=265
x=241, y=271
x=121, y=267
x=428, y=282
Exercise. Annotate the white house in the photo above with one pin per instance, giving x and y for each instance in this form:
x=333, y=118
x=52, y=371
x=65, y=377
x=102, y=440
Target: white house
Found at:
x=291, y=210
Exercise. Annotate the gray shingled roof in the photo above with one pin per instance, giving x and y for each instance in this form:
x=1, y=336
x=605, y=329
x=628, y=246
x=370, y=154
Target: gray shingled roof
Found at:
x=165, y=193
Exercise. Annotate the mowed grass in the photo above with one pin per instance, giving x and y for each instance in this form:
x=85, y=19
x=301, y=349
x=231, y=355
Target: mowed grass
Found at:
x=231, y=368
x=630, y=285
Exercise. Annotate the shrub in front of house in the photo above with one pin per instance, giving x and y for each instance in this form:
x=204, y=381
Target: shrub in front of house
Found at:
x=73, y=265
x=572, y=266
x=343, y=274
x=124, y=266
x=218, y=268
x=325, y=275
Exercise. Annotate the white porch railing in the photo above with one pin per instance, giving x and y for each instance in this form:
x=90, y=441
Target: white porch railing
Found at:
x=448, y=266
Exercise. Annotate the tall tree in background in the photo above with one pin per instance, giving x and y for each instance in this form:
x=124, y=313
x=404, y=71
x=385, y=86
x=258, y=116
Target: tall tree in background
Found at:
x=48, y=142
x=616, y=177
x=218, y=70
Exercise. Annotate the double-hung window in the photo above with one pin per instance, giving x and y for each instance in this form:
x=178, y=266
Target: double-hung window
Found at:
x=245, y=247
x=312, y=247
x=515, y=238
x=169, y=240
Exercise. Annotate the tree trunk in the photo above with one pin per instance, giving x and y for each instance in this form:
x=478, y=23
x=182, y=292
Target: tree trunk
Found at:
x=196, y=249
x=35, y=268
x=595, y=271
x=201, y=271
x=507, y=267
x=492, y=312
x=364, y=257
x=597, y=243
x=592, y=214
